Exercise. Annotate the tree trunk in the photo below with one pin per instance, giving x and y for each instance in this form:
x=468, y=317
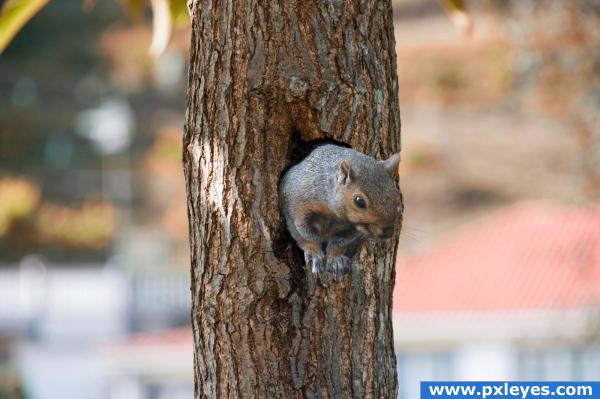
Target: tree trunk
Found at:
x=268, y=80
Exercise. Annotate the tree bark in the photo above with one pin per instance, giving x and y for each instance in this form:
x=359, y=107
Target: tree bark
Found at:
x=268, y=80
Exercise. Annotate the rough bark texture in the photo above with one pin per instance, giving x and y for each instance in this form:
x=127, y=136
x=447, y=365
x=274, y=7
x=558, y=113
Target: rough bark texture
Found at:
x=267, y=79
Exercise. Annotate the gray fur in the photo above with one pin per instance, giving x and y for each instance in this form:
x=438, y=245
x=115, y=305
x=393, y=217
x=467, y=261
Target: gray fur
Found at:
x=317, y=180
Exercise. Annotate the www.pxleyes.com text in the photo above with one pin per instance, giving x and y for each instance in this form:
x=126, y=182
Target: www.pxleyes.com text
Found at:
x=509, y=390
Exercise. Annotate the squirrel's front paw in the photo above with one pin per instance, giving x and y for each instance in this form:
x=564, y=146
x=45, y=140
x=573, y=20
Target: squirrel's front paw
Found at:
x=338, y=266
x=314, y=260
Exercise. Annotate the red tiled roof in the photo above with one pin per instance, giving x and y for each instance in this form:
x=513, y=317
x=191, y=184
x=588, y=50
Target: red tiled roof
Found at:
x=176, y=336
x=533, y=256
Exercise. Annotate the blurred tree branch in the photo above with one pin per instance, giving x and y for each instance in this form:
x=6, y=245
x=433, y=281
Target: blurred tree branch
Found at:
x=14, y=14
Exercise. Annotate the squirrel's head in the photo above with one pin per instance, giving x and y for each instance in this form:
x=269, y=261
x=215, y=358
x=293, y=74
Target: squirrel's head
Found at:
x=369, y=196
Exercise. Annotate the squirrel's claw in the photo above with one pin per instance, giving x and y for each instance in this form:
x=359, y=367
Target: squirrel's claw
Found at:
x=314, y=260
x=338, y=266
x=317, y=264
x=314, y=264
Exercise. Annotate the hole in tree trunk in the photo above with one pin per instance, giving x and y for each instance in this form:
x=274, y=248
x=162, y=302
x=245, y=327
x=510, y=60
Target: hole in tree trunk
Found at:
x=299, y=149
x=284, y=246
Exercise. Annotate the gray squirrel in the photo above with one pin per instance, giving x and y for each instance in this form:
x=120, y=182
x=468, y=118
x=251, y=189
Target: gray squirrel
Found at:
x=335, y=199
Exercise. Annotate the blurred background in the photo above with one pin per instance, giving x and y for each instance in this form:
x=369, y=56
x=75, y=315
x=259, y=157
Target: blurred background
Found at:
x=498, y=272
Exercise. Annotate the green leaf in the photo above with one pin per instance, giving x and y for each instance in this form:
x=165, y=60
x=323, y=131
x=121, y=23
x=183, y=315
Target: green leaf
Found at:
x=179, y=12
x=15, y=14
x=457, y=5
x=458, y=14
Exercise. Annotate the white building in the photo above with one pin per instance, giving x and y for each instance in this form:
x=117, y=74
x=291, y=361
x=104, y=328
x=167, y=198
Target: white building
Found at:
x=515, y=298
x=71, y=331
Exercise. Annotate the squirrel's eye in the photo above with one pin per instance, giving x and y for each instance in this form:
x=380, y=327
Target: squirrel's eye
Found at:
x=360, y=202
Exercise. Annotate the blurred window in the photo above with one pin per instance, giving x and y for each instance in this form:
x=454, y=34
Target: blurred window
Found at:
x=578, y=363
x=414, y=367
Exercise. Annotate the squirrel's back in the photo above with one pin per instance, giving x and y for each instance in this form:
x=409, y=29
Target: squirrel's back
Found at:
x=336, y=198
x=315, y=179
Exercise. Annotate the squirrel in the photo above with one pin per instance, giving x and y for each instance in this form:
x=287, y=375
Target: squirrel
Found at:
x=335, y=199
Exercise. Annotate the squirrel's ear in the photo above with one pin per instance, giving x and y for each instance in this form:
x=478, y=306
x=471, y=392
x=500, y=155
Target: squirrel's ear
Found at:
x=391, y=164
x=346, y=174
